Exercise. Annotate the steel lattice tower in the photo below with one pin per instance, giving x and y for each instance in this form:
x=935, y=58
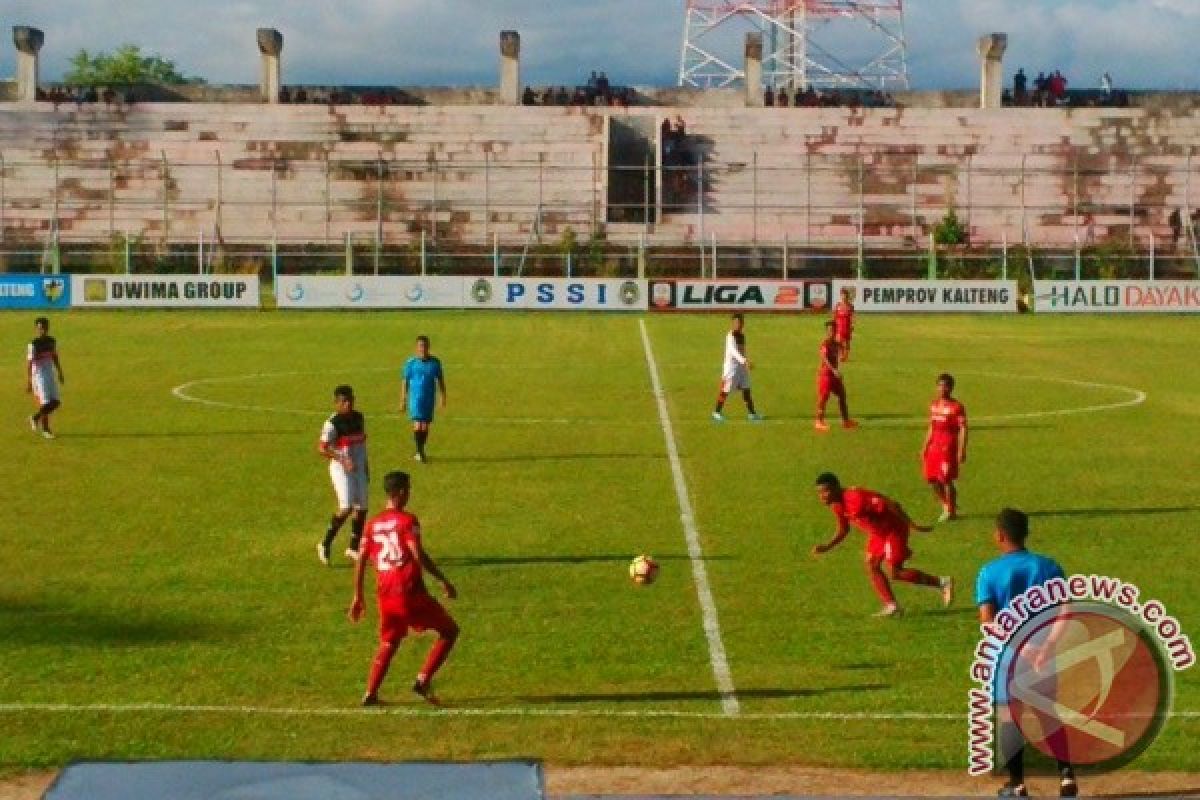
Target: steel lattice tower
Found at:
x=823, y=44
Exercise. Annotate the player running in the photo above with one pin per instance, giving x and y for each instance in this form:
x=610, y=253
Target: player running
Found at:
x=945, y=446
x=41, y=364
x=999, y=581
x=393, y=545
x=887, y=527
x=829, y=381
x=344, y=442
x=843, y=323
x=423, y=378
x=735, y=371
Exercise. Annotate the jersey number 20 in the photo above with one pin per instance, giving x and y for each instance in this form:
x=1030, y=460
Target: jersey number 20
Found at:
x=391, y=553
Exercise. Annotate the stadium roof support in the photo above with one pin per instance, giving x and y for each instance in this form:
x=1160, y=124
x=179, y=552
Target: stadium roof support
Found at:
x=820, y=44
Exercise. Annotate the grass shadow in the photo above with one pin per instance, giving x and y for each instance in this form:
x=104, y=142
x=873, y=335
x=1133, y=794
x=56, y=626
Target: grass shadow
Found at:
x=40, y=624
x=708, y=695
x=528, y=561
x=530, y=457
x=1111, y=512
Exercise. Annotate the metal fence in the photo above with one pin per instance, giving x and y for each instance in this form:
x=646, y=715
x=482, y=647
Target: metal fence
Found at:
x=412, y=213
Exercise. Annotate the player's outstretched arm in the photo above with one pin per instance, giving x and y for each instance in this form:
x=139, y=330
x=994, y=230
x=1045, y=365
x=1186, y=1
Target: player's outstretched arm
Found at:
x=58, y=366
x=442, y=387
x=429, y=566
x=838, y=538
x=356, y=605
x=928, y=439
x=962, y=442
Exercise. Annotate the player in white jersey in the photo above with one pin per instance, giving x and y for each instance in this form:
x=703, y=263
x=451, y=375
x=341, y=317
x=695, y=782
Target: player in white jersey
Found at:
x=735, y=372
x=41, y=365
x=344, y=442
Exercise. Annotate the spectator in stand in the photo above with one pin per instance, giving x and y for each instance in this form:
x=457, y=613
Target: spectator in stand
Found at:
x=768, y=97
x=1058, y=87
x=602, y=85
x=1040, y=87
x=548, y=96
x=798, y=98
x=1106, y=84
x=1175, y=220
x=562, y=98
x=528, y=98
x=781, y=98
x=1020, y=87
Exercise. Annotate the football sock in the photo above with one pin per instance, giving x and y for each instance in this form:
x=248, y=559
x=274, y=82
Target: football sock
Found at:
x=749, y=401
x=721, y=401
x=379, y=667
x=356, y=530
x=1016, y=767
x=844, y=408
x=916, y=576
x=882, y=588
x=335, y=525
x=437, y=656
x=420, y=437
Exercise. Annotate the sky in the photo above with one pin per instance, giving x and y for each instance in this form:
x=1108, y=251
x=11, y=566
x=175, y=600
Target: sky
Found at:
x=1142, y=43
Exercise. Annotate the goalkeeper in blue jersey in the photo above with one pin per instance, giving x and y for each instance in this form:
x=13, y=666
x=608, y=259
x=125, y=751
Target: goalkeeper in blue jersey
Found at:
x=422, y=380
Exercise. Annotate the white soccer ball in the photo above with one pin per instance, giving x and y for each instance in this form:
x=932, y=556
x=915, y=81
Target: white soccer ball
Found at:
x=643, y=570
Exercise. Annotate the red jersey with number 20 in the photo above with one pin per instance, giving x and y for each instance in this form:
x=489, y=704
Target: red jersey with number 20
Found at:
x=386, y=544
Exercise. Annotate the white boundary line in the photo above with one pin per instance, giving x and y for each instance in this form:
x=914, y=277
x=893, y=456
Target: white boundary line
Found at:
x=708, y=608
x=519, y=711
x=1136, y=398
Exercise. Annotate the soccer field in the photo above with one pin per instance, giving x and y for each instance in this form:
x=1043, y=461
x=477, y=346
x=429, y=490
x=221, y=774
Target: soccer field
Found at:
x=160, y=594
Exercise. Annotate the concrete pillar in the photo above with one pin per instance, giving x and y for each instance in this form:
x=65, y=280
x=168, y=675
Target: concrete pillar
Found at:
x=270, y=83
x=510, y=68
x=29, y=42
x=753, y=69
x=991, y=81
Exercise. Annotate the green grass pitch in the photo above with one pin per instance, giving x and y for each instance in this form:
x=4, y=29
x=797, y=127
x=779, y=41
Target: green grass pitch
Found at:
x=161, y=551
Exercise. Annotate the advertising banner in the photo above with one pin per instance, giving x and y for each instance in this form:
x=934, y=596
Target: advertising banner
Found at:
x=308, y=291
x=738, y=295
x=555, y=294
x=1117, y=297
x=35, y=291
x=931, y=297
x=164, y=291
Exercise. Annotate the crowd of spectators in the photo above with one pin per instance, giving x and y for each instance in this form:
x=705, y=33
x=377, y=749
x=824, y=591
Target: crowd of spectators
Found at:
x=83, y=95
x=598, y=91
x=814, y=98
x=679, y=158
x=341, y=96
x=1050, y=90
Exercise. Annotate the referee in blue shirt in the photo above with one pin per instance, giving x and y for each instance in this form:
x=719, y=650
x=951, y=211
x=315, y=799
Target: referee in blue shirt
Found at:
x=1000, y=580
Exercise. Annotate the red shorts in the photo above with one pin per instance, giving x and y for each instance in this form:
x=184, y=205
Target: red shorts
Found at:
x=889, y=546
x=420, y=614
x=941, y=466
x=842, y=337
x=827, y=385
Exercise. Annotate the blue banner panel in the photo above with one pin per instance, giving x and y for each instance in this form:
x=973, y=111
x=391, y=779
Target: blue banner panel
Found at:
x=35, y=291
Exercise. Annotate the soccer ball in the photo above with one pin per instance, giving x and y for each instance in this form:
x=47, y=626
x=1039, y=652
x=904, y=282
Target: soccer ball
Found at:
x=643, y=570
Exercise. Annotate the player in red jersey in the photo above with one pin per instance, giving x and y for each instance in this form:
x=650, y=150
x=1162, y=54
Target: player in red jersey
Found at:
x=945, y=446
x=393, y=544
x=887, y=527
x=829, y=381
x=843, y=323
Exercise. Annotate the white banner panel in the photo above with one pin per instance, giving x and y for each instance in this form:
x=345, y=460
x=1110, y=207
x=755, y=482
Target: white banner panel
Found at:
x=931, y=297
x=394, y=291
x=739, y=295
x=1115, y=297
x=555, y=294
x=164, y=291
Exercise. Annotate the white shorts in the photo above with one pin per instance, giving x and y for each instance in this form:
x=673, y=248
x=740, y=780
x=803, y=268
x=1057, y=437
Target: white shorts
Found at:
x=736, y=380
x=45, y=387
x=350, y=488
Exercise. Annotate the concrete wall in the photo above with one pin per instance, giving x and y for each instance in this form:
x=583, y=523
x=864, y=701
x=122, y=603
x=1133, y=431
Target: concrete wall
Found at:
x=469, y=172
